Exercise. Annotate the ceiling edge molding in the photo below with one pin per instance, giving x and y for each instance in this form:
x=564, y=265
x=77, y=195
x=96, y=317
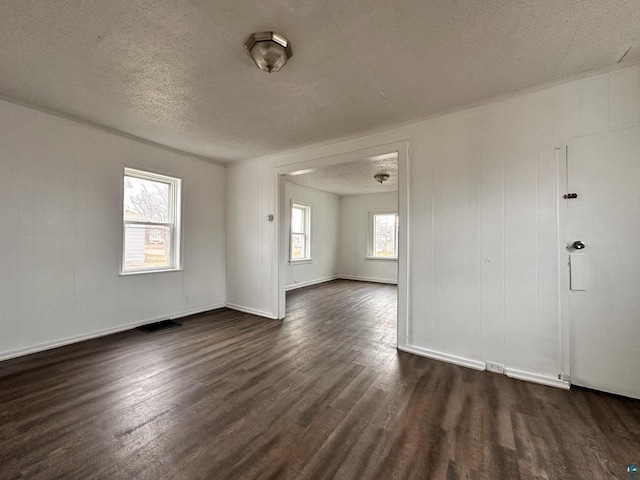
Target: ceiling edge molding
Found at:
x=111, y=130
x=444, y=113
x=395, y=192
x=297, y=185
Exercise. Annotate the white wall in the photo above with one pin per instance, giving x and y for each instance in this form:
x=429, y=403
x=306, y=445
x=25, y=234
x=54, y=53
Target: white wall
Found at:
x=325, y=213
x=483, y=246
x=61, y=226
x=252, y=269
x=354, y=237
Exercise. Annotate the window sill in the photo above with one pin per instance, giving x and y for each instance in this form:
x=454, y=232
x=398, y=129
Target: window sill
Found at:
x=301, y=262
x=392, y=259
x=140, y=272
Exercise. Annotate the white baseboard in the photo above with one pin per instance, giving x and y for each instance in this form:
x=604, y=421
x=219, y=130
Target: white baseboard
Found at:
x=41, y=347
x=444, y=357
x=252, y=311
x=310, y=282
x=550, y=381
x=368, y=279
x=478, y=365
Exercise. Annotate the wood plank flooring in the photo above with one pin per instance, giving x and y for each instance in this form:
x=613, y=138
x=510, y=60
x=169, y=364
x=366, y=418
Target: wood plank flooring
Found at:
x=323, y=394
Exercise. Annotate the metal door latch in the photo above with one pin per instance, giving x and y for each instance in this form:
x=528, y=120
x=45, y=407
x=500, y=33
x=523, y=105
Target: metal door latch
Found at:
x=568, y=196
x=578, y=245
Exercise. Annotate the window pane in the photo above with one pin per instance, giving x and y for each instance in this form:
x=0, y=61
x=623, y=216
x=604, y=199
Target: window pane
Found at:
x=298, y=248
x=146, y=200
x=385, y=235
x=297, y=220
x=147, y=246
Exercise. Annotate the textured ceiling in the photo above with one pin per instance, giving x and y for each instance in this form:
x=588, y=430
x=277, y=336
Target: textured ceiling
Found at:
x=352, y=178
x=176, y=72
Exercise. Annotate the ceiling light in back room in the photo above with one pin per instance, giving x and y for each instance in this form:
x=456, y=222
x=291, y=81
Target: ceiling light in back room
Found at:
x=269, y=50
x=381, y=177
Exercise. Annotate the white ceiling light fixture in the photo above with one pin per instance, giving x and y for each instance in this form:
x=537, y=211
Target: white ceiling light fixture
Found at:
x=381, y=177
x=269, y=50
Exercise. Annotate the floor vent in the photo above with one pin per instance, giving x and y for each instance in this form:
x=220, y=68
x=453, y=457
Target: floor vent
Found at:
x=163, y=325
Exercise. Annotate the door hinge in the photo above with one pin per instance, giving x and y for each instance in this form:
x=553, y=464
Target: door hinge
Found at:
x=568, y=196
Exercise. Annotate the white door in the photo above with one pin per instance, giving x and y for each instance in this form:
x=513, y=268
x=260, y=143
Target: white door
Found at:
x=604, y=290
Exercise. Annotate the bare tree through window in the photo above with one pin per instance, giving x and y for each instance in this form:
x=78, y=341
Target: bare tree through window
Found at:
x=149, y=217
x=385, y=235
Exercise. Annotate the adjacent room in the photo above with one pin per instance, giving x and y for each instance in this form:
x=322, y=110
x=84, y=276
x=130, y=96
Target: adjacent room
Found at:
x=319, y=239
x=343, y=223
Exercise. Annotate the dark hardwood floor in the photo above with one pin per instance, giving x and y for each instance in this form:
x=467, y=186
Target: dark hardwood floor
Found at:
x=323, y=394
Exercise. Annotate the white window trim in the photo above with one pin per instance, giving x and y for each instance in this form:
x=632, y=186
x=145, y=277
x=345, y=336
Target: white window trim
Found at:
x=371, y=235
x=308, y=219
x=175, y=207
x=384, y=259
x=301, y=261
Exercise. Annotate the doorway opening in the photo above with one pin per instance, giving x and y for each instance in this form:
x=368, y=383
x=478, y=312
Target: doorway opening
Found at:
x=339, y=223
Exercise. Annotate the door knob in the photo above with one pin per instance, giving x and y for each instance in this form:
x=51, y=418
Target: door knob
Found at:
x=578, y=245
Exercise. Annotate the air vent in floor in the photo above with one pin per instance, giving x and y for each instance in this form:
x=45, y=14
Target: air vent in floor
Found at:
x=163, y=325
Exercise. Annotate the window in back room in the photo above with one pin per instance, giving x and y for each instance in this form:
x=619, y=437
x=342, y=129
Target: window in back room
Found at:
x=383, y=235
x=300, y=249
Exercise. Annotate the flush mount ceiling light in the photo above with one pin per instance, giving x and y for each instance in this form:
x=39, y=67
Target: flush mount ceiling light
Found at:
x=269, y=50
x=381, y=177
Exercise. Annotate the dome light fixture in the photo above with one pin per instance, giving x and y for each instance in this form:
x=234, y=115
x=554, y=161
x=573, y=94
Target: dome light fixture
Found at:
x=269, y=50
x=381, y=177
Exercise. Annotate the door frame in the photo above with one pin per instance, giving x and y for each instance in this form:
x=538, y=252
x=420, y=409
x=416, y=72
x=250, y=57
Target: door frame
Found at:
x=370, y=153
x=564, y=297
x=564, y=326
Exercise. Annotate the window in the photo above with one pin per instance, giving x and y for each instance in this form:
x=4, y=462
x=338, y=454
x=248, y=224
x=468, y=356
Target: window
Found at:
x=383, y=237
x=300, y=232
x=151, y=222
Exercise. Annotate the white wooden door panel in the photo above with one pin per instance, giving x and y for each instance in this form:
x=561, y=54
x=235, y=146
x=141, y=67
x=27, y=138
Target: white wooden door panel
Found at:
x=605, y=311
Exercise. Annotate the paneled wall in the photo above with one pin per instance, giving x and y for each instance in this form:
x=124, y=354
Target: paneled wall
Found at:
x=252, y=264
x=325, y=211
x=483, y=245
x=354, y=237
x=61, y=226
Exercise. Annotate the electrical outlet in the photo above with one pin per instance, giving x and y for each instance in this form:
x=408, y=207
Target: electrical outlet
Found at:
x=189, y=298
x=296, y=281
x=495, y=367
x=565, y=377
